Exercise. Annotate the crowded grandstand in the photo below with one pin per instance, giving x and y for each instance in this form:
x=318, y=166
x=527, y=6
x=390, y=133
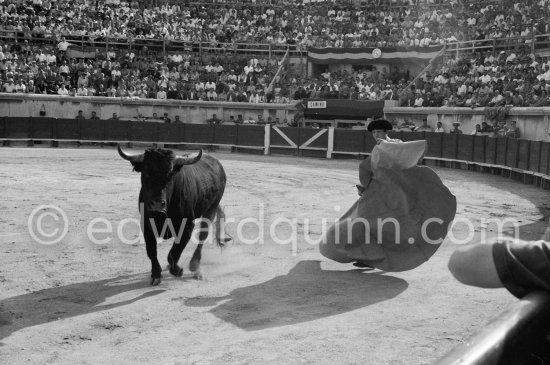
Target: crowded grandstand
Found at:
x=239, y=52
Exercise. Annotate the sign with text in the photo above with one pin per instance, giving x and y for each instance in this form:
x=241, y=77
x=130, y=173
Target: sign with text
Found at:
x=317, y=104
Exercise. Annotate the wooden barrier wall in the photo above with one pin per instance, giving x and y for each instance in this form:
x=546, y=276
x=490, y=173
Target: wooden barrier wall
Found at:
x=530, y=158
x=83, y=130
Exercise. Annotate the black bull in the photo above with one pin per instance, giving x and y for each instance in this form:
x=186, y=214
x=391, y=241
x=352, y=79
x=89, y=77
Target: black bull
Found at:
x=175, y=191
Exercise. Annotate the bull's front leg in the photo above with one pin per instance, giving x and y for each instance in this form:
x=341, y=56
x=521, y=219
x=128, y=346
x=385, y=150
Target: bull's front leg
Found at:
x=151, y=247
x=178, y=247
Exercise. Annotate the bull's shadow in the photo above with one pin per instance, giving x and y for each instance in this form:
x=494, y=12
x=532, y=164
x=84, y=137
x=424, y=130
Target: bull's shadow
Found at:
x=62, y=302
x=305, y=294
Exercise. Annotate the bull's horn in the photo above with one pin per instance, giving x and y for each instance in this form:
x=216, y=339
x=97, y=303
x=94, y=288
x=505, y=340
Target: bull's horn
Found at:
x=188, y=160
x=134, y=159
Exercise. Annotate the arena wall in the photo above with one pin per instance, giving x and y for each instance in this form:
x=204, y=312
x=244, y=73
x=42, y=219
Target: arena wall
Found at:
x=525, y=159
x=65, y=107
x=533, y=123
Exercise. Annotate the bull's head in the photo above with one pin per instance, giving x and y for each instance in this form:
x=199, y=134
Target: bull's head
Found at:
x=157, y=168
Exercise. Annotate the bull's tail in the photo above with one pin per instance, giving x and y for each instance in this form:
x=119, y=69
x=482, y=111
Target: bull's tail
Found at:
x=221, y=235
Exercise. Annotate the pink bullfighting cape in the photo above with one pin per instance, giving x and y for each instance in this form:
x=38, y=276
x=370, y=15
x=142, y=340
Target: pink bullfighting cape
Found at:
x=402, y=216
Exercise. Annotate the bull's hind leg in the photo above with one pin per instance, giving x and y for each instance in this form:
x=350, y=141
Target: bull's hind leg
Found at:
x=221, y=236
x=195, y=264
x=219, y=215
x=177, y=248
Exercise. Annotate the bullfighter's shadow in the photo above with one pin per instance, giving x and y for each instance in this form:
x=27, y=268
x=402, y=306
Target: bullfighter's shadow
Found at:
x=72, y=300
x=305, y=294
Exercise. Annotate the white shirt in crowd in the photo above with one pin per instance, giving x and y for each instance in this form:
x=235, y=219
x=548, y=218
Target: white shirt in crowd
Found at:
x=62, y=90
x=63, y=46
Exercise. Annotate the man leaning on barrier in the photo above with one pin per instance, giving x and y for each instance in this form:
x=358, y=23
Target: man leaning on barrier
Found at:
x=517, y=265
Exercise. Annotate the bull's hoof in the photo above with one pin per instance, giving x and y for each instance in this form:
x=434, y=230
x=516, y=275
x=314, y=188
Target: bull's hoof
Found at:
x=176, y=271
x=155, y=281
x=198, y=275
x=194, y=265
x=223, y=241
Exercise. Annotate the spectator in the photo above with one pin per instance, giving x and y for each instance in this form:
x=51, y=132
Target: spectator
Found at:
x=80, y=115
x=63, y=45
x=166, y=118
x=513, y=131
x=9, y=87
x=222, y=96
x=211, y=95
x=177, y=119
x=431, y=100
x=214, y=120
x=439, y=128
x=94, y=116
x=241, y=96
x=471, y=100
x=477, y=130
x=424, y=127
x=82, y=91
x=497, y=100
x=486, y=128
x=255, y=98
x=539, y=98
x=112, y=92
x=406, y=126
x=500, y=129
x=64, y=69
x=250, y=120
x=32, y=88
x=517, y=99
x=455, y=129
x=508, y=99
x=419, y=100
x=20, y=87
x=114, y=117
x=161, y=94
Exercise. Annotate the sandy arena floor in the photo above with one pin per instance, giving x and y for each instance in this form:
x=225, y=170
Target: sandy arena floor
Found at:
x=76, y=302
